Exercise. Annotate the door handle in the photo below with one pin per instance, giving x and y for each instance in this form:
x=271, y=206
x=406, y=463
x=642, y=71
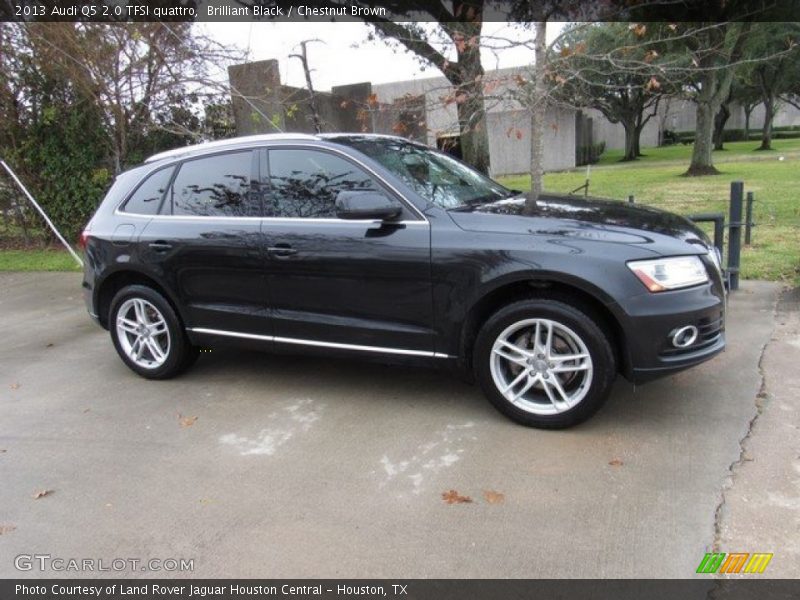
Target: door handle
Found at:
x=160, y=246
x=281, y=251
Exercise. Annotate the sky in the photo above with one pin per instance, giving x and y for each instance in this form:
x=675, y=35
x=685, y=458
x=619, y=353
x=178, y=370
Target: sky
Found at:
x=345, y=56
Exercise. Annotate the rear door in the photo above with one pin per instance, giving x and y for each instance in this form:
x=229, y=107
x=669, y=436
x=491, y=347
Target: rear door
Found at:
x=354, y=284
x=206, y=243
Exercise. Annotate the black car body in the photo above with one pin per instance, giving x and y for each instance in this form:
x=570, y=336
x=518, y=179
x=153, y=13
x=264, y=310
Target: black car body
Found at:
x=340, y=243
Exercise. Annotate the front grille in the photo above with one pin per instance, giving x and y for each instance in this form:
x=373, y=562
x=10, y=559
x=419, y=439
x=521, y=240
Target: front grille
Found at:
x=709, y=329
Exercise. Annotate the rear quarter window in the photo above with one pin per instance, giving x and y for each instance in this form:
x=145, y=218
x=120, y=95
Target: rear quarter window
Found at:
x=146, y=200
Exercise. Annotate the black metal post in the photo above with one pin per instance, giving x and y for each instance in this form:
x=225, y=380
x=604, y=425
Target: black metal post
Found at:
x=748, y=218
x=735, y=233
x=719, y=226
x=631, y=199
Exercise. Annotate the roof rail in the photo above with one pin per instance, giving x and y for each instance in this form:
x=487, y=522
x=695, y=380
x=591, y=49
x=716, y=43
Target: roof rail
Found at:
x=265, y=137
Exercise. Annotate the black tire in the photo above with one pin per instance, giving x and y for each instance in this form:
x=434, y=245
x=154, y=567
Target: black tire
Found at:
x=180, y=355
x=577, y=320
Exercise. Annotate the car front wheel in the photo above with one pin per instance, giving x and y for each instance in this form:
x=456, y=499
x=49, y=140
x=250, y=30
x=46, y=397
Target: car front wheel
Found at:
x=147, y=333
x=544, y=363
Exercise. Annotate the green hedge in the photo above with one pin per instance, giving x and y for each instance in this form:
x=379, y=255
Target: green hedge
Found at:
x=785, y=132
x=589, y=154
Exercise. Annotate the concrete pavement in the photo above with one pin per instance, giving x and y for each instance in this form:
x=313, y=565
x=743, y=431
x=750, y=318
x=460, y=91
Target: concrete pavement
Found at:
x=309, y=467
x=761, y=508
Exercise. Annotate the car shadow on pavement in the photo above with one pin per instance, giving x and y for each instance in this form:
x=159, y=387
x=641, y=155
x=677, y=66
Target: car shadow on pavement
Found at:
x=358, y=381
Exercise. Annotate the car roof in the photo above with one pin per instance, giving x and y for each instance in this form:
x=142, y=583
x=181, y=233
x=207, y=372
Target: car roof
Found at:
x=235, y=141
x=266, y=137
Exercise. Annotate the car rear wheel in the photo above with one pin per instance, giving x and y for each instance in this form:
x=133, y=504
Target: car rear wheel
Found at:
x=544, y=363
x=147, y=333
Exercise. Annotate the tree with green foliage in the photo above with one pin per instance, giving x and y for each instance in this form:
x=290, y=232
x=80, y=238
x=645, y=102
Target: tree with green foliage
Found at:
x=773, y=78
x=133, y=72
x=53, y=135
x=80, y=102
x=714, y=49
x=614, y=68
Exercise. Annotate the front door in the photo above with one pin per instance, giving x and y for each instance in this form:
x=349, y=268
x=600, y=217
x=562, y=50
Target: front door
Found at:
x=354, y=284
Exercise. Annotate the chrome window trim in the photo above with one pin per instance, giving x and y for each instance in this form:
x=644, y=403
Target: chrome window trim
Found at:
x=374, y=222
x=257, y=145
x=217, y=144
x=316, y=343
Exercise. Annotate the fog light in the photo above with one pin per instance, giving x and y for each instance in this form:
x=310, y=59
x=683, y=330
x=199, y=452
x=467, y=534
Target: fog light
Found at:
x=684, y=337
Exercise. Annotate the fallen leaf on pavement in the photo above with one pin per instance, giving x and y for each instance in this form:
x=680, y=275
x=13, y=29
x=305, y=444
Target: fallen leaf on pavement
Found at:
x=42, y=494
x=2, y=450
x=85, y=410
x=453, y=497
x=6, y=528
x=493, y=497
x=186, y=421
x=616, y=462
x=15, y=386
x=50, y=345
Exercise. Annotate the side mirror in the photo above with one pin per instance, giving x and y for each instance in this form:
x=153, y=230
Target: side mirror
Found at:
x=366, y=205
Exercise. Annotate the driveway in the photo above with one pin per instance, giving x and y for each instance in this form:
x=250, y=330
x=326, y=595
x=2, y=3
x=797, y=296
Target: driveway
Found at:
x=254, y=465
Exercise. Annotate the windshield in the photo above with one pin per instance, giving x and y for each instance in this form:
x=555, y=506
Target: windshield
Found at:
x=435, y=176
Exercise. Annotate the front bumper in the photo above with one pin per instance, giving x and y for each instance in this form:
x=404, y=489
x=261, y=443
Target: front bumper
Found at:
x=653, y=318
x=645, y=374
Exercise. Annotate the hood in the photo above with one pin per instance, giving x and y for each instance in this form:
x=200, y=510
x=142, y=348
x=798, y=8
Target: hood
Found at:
x=587, y=218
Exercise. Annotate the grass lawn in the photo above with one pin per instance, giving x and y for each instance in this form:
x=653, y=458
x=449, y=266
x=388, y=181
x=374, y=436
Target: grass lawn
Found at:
x=656, y=180
x=37, y=260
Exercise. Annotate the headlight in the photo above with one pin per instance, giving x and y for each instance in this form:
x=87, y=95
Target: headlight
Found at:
x=672, y=273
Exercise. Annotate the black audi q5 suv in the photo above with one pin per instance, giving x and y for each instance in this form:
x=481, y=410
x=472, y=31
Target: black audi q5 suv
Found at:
x=378, y=246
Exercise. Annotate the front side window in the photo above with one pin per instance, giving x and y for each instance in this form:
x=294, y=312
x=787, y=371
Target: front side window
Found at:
x=305, y=183
x=215, y=186
x=435, y=176
x=146, y=200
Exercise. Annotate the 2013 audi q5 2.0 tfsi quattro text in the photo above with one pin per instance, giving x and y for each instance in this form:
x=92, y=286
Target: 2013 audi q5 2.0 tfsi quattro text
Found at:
x=378, y=246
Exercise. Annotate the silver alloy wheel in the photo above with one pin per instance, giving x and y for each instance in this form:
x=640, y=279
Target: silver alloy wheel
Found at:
x=541, y=366
x=143, y=333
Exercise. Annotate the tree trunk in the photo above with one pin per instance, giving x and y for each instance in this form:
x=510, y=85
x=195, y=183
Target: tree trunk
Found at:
x=637, y=139
x=631, y=140
x=312, y=96
x=472, y=128
x=472, y=112
x=766, y=129
x=701, y=152
x=747, y=112
x=538, y=115
x=722, y=116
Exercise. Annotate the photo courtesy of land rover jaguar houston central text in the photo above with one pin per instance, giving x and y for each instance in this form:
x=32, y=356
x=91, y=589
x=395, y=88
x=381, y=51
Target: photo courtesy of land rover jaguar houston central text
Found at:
x=369, y=245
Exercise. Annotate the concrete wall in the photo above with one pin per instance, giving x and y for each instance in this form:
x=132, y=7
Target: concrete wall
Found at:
x=510, y=141
x=256, y=96
x=507, y=121
x=680, y=116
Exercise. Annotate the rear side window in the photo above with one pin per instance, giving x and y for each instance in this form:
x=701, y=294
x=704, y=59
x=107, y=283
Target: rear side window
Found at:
x=305, y=183
x=147, y=198
x=215, y=186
